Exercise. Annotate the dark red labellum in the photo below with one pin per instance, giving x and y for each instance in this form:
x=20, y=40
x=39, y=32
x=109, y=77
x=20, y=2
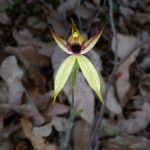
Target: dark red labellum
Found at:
x=76, y=48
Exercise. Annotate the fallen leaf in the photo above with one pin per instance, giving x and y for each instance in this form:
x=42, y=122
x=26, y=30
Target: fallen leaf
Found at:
x=4, y=19
x=142, y=18
x=37, y=142
x=6, y=145
x=138, y=123
x=3, y=92
x=25, y=38
x=126, y=12
x=111, y=101
x=27, y=56
x=97, y=2
x=80, y=134
x=1, y=122
x=59, y=123
x=21, y=145
x=144, y=87
x=66, y=6
x=12, y=75
x=83, y=12
x=145, y=64
x=42, y=131
x=57, y=109
x=36, y=23
x=125, y=45
x=125, y=142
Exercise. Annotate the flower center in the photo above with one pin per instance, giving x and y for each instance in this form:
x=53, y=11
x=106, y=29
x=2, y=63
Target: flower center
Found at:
x=76, y=48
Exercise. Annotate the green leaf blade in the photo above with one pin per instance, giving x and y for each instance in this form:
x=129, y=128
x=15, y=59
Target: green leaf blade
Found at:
x=90, y=74
x=63, y=74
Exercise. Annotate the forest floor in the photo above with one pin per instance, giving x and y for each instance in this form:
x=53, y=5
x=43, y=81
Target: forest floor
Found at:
x=29, y=59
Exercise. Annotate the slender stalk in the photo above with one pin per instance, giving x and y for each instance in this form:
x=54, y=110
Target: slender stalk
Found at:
x=73, y=113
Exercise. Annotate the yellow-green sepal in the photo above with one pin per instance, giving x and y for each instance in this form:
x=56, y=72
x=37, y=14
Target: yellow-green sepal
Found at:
x=63, y=74
x=90, y=74
x=60, y=42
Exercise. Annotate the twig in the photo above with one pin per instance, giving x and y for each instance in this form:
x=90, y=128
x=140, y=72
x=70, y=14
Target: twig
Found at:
x=93, y=142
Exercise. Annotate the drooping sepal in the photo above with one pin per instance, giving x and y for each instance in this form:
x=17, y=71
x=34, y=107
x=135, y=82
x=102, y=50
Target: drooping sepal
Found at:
x=62, y=75
x=90, y=74
x=89, y=44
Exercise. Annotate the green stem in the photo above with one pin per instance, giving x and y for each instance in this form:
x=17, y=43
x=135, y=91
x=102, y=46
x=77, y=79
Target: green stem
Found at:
x=73, y=113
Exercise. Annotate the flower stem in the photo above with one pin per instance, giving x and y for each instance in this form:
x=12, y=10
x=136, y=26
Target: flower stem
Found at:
x=73, y=113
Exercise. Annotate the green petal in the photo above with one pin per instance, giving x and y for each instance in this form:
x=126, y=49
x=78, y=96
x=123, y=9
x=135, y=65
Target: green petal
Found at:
x=60, y=42
x=62, y=75
x=89, y=44
x=90, y=74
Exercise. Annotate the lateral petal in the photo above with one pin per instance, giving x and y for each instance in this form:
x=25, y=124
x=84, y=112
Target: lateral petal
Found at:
x=62, y=74
x=90, y=74
x=89, y=44
x=60, y=42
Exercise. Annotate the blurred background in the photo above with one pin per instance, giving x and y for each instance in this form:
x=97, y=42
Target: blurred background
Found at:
x=29, y=59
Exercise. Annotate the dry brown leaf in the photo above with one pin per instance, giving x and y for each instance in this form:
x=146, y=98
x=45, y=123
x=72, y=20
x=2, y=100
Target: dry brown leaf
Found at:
x=27, y=56
x=97, y=2
x=21, y=145
x=6, y=145
x=25, y=37
x=66, y=6
x=126, y=12
x=132, y=125
x=57, y=58
x=57, y=109
x=144, y=87
x=36, y=23
x=42, y=131
x=12, y=75
x=127, y=142
x=111, y=102
x=4, y=19
x=80, y=134
x=3, y=92
x=145, y=64
x=83, y=12
x=139, y=122
x=22, y=36
x=56, y=21
x=125, y=45
x=142, y=18
x=37, y=142
x=59, y=123
x=1, y=122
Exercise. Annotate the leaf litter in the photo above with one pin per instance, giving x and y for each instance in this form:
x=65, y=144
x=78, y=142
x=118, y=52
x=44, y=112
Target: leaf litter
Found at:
x=29, y=59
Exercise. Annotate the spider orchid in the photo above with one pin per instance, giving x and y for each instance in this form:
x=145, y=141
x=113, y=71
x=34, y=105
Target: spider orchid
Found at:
x=76, y=46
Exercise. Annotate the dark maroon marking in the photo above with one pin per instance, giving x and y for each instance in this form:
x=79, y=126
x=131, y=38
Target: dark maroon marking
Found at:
x=76, y=48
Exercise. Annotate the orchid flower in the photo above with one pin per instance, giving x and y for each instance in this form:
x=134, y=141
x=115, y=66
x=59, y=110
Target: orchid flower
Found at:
x=76, y=46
